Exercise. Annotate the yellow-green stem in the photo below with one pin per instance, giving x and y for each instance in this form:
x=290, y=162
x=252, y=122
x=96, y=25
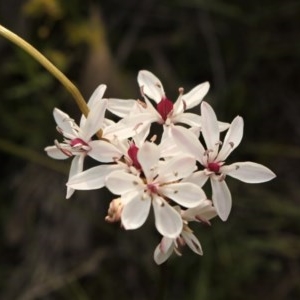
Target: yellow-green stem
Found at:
x=48, y=65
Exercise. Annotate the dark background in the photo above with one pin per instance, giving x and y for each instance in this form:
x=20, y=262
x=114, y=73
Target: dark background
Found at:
x=53, y=248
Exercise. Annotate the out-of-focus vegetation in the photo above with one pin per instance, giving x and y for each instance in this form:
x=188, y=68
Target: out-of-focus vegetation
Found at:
x=52, y=248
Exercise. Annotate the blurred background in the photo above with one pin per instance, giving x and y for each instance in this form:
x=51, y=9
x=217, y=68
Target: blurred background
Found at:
x=53, y=248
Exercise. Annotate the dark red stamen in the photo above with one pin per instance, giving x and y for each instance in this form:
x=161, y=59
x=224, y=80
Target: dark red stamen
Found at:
x=77, y=142
x=132, y=153
x=164, y=107
x=214, y=167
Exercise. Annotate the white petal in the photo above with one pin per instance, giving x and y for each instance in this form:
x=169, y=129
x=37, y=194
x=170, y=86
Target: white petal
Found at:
x=199, y=178
x=120, y=107
x=93, y=178
x=188, y=142
x=104, y=151
x=167, y=146
x=134, y=122
x=168, y=222
x=55, y=153
x=120, y=182
x=184, y=193
x=151, y=85
x=96, y=96
x=223, y=126
x=136, y=210
x=155, y=114
x=163, y=250
x=141, y=137
x=232, y=139
x=76, y=168
x=118, y=130
x=210, y=129
x=195, y=96
x=64, y=122
x=249, y=172
x=148, y=156
x=176, y=168
x=221, y=198
x=192, y=242
x=203, y=211
x=187, y=118
x=94, y=121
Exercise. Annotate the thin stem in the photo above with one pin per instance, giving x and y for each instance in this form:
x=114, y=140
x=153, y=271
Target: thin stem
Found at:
x=15, y=39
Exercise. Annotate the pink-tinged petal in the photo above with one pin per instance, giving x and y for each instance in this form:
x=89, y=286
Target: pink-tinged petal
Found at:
x=94, y=121
x=65, y=123
x=195, y=96
x=232, y=139
x=199, y=178
x=192, y=242
x=148, y=157
x=96, y=96
x=76, y=168
x=201, y=213
x=163, y=250
x=176, y=168
x=55, y=153
x=136, y=209
x=210, y=129
x=104, y=151
x=184, y=193
x=120, y=182
x=249, y=172
x=168, y=222
x=150, y=85
x=93, y=178
x=221, y=198
x=120, y=107
x=188, y=142
x=166, y=244
x=188, y=119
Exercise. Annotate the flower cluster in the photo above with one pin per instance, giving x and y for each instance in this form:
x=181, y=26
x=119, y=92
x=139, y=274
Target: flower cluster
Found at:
x=165, y=170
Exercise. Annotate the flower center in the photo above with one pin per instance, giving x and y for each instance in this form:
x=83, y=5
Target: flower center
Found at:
x=152, y=188
x=164, y=107
x=132, y=153
x=214, y=167
x=78, y=143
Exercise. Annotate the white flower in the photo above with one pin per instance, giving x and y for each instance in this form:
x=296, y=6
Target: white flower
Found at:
x=201, y=213
x=126, y=160
x=166, y=112
x=78, y=139
x=214, y=156
x=94, y=178
x=159, y=185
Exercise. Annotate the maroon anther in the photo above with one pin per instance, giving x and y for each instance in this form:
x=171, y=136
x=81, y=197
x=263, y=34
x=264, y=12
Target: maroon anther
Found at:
x=132, y=153
x=164, y=107
x=77, y=142
x=214, y=167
